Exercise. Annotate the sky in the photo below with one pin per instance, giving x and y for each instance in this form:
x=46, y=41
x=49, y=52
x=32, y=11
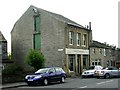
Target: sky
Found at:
x=103, y=15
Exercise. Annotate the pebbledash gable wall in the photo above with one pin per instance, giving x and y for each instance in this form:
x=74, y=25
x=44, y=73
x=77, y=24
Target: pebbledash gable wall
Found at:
x=52, y=37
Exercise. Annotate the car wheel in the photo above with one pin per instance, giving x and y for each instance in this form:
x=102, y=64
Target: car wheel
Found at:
x=62, y=79
x=82, y=77
x=45, y=82
x=107, y=76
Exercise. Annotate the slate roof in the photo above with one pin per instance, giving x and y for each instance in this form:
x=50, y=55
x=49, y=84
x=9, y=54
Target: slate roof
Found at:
x=60, y=17
x=99, y=44
x=2, y=38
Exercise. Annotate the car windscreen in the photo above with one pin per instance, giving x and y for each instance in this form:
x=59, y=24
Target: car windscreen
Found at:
x=90, y=67
x=42, y=70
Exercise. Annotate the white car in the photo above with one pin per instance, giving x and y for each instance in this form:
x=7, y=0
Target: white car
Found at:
x=89, y=72
x=108, y=72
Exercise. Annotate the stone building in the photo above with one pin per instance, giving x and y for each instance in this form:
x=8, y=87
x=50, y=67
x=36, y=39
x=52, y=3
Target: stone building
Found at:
x=118, y=57
x=102, y=54
x=3, y=51
x=62, y=41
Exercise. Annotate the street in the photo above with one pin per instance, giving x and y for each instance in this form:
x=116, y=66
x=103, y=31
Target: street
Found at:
x=77, y=83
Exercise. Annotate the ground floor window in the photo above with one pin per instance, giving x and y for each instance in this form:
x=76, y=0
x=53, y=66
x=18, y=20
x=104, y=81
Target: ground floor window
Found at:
x=71, y=62
x=96, y=62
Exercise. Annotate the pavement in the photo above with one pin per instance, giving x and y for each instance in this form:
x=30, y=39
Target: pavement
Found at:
x=11, y=85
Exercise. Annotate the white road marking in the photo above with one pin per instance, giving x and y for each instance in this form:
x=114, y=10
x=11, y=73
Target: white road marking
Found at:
x=83, y=87
x=100, y=83
x=109, y=81
x=104, y=82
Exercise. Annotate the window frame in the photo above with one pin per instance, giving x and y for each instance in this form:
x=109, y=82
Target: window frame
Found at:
x=78, y=39
x=37, y=28
x=71, y=38
x=84, y=40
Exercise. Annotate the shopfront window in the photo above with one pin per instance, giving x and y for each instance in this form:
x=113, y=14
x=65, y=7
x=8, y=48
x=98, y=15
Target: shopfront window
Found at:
x=71, y=62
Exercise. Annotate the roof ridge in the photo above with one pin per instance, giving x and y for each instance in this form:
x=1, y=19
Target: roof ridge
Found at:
x=2, y=38
x=60, y=17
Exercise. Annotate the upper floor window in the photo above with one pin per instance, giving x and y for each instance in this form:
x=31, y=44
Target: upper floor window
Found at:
x=110, y=52
x=0, y=49
x=100, y=51
x=93, y=50
x=37, y=23
x=71, y=37
x=84, y=40
x=78, y=39
x=104, y=52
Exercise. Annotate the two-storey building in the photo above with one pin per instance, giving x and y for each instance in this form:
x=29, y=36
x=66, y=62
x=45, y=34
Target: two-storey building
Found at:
x=3, y=51
x=62, y=41
x=102, y=54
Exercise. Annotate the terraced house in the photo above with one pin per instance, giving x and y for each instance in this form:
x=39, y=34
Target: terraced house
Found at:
x=62, y=41
x=3, y=51
x=102, y=54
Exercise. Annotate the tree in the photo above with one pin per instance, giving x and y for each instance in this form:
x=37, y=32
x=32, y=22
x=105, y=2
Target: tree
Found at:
x=10, y=56
x=35, y=59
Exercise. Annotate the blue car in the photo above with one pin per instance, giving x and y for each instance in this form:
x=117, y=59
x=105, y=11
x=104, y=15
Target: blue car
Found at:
x=46, y=75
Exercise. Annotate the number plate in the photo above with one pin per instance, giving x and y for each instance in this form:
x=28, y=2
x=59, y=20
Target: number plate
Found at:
x=30, y=80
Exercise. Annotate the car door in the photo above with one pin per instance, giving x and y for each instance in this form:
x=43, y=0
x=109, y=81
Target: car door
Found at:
x=118, y=72
x=58, y=73
x=52, y=74
x=114, y=71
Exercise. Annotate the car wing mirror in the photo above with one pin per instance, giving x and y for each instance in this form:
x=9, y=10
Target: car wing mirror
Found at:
x=50, y=72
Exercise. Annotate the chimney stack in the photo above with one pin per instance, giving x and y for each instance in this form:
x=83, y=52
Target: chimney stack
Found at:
x=90, y=25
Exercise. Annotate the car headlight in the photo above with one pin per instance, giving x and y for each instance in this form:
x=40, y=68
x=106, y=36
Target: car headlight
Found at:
x=26, y=77
x=36, y=77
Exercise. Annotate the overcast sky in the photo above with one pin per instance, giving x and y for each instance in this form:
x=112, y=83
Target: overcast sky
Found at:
x=103, y=14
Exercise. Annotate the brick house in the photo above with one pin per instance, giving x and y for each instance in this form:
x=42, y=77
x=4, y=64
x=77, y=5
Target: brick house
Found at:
x=62, y=41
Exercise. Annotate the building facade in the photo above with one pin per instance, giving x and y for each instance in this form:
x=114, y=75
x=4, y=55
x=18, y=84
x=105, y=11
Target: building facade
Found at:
x=102, y=54
x=3, y=47
x=62, y=41
x=3, y=51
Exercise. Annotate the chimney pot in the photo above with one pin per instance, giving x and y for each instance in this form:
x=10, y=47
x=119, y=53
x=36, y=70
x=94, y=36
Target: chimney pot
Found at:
x=90, y=25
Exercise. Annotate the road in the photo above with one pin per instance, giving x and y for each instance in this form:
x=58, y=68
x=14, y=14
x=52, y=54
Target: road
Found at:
x=78, y=83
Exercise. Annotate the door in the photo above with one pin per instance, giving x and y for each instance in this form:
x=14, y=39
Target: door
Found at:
x=52, y=75
x=58, y=73
x=116, y=71
x=113, y=71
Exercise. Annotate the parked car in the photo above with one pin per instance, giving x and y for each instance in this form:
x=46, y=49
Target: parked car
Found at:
x=46, y=75
x=108, y=72
x=89, y=72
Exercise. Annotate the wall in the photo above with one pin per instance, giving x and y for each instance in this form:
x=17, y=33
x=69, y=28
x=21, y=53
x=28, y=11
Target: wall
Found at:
x=52, y=38
x=22, y=36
